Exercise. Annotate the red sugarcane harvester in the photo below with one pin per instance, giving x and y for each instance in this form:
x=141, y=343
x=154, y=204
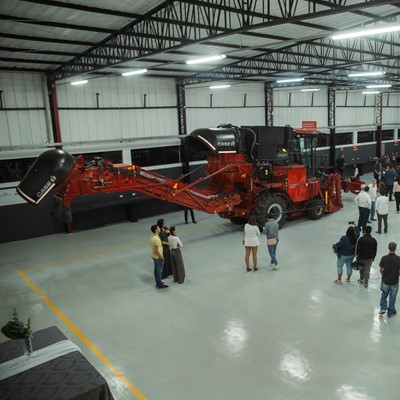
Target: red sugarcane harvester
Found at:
x=250, y=170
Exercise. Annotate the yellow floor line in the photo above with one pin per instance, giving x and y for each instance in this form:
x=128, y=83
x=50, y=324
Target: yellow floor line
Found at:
x=131, y=387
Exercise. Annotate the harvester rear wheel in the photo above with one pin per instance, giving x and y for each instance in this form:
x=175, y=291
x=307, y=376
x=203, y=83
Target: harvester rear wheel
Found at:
x=275, y=204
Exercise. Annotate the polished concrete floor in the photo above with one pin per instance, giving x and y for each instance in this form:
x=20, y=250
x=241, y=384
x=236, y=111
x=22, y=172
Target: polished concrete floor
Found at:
x=225, y=333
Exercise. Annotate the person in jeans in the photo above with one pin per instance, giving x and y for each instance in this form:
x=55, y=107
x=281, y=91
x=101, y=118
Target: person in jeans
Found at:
x=157, y=256
x=390, y=177
x=272, y=233
x=373, y=188
x=390, y=269
x=347, y=250
x=366, y=251
x=251, y=241
x=363, y=200
x=382, y=211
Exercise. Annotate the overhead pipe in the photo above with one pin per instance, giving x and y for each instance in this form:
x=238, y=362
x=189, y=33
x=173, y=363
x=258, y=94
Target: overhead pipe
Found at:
x=47, y=111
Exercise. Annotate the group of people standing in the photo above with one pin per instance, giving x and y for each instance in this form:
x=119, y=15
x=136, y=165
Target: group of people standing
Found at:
x=351, y=245
x=364, y=247
x=368, y=203
x=166, y=254
x=251, y=241
x=386, y=177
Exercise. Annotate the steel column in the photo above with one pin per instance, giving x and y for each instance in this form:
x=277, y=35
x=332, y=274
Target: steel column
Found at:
x=378, y=122
x=269, y=105
x=331, y=124
x=181, y=105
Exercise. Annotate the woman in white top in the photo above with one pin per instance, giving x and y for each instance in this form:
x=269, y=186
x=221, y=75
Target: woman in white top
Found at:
x=175, y=245
x=251, y=242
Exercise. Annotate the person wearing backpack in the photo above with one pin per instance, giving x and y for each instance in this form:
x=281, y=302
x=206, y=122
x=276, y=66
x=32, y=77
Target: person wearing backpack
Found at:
x=347, y=250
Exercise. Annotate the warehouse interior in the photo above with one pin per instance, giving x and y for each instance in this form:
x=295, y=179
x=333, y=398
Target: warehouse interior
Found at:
x=127, y=83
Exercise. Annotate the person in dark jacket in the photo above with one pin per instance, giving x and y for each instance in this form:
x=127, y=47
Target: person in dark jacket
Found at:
x=366, y=251
x=390, y=178
x=389, y=267
x=347, y=250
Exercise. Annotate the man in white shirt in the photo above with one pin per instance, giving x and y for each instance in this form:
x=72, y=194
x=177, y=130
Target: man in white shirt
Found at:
x=363, y=200
x=382, y=211
x=373, y=187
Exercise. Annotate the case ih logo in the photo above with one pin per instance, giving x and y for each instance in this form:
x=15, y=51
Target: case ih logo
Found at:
x=226, y=144
x=46, y=186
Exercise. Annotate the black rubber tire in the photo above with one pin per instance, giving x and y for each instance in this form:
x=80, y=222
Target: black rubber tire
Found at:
x=238, y=220
x=275, y=204
x=316, y=209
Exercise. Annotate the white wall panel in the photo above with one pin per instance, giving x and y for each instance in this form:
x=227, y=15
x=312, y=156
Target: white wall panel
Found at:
x=117, y=117
x=229, y=97
x=4, y=131
x=118, y=92
x=297, y=98
x=27, y=126
x=391, y=108
x=350, y=116
x=294, y=116
x=22, y=128
x=292, y=106
x=21, y=89
x=37, y=125
x=227, y=106
x=394, y=99
x=355, y=99
x=212, y=117
x=84, y=125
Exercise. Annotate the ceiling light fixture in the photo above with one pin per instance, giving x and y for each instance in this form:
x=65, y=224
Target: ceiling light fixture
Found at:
x=367, y=32
x=372, y=73
x=220, y=86
x=370, y=92
x=136, y=72
x=290, y=80
x=310, y=90
x=79, y=82
x=206, y=59
x=377, y=86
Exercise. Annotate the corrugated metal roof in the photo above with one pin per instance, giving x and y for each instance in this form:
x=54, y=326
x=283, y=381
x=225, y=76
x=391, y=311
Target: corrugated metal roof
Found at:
x=91, y=37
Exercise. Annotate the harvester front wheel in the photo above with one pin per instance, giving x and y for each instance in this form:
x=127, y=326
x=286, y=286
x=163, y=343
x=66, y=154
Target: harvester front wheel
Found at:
x=316, y=209
x=275, y=204
x=238, y=220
